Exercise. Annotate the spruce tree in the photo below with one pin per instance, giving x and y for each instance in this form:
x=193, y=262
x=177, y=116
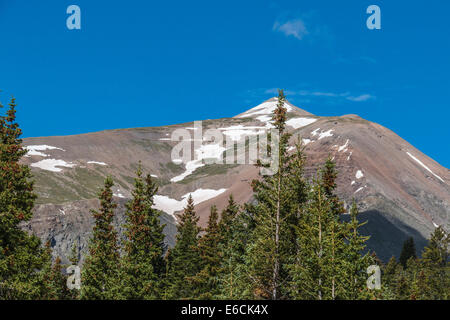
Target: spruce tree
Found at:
x=435, y=265
x=205, y=281
x=227, y=217
x=329, y=176
x=184, y=258
x=21, y=254
x=100, y=274
x=389, y=269
x=233, y=281
x=355, y=261
x=408, y=251
x=143, y=263
x=74, y=259
x=316, y=269
x=274, y=212
x=329, y=263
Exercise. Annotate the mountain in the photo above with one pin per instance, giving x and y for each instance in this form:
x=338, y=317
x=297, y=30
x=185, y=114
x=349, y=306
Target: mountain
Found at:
x=399, y=190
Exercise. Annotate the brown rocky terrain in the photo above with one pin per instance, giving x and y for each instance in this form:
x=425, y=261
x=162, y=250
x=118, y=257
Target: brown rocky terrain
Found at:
x=399, y=190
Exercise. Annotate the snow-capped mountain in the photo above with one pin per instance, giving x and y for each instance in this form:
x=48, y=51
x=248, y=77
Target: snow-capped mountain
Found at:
x=399, y=190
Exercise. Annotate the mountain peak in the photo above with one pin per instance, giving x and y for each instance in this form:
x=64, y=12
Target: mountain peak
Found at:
x=267, y=108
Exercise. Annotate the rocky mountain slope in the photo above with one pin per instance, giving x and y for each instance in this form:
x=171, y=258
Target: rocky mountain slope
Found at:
x=400, y=191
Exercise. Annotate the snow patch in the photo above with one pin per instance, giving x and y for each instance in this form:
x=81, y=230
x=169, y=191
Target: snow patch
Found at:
x=170, y=206
x=359, y=190
x=300, y=122
x=348, y=158
x=209, y=151
x=264, y=118
x=52, y=164
x=306, y=141
x=322, y=134
x=353, y=182
x=424, y=166
x=34, y=150
x=267, y=107
x=236, y=132
x=97, y=162
x=359, y=174
x=344, y=147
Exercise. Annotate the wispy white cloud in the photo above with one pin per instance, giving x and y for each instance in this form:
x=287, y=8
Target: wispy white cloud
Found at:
x=325, y=94
x=295, y=28
x=360, y=98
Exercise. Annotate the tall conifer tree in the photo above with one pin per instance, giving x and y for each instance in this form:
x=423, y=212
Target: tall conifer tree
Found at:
x=206, y=280
x=271, y=242
x=143, y=263
x=408, y=251
x=100, y=274
x=21, y=254
x=184, y=258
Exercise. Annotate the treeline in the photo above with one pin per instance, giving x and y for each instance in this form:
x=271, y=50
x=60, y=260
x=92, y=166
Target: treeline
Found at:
x=290, y=243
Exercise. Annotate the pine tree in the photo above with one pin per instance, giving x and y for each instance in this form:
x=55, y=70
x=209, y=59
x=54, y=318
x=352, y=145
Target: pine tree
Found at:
x=408, y=251
x=55, y=282
x=435, y=265
x=274, y=212
x=233, y=282
x=205, y=281
x=21, y=254
x=355, y=261
x=329, y=176
x=402, y=289
x=329, y=263
x=316, y=269
x=100, y=275
x=227, y=217
x=143, y=263
x=389, y=271
x=74, y=259
x=184, y=258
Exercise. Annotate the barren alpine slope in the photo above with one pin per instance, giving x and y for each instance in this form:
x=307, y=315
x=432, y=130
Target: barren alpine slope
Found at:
x=399, y=190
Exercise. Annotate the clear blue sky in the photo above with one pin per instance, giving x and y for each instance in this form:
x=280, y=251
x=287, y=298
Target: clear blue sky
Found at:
x=150, y=63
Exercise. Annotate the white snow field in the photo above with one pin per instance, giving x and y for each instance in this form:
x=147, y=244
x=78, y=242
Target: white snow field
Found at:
x=34, y=150
x=52, y=164
x=170, y=206
x=236, y=132
x=300, y=122
x=264, y=108
x=209, y=151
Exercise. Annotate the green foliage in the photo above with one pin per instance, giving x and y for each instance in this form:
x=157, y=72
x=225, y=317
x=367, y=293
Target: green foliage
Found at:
x=21, y=254
x=421, y=279
x=408, y=251
x=184, y=260
x=205, y=281
x=328, y=180
x=235, y=232
x=100, y=274
x=275, y=211
x=143, y=265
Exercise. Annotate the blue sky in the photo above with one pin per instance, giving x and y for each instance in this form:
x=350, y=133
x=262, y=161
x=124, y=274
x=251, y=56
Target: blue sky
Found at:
x=151, y=63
